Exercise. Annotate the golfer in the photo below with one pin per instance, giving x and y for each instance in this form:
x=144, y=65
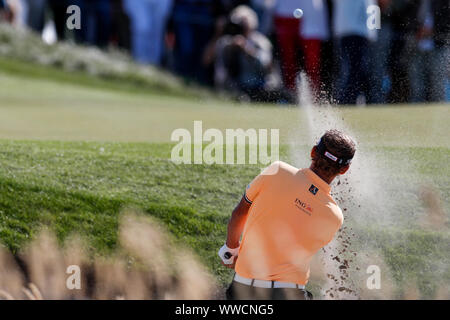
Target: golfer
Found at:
x=285, y=216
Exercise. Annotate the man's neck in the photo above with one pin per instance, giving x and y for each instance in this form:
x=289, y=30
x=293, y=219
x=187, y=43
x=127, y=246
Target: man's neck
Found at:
x=328, y=179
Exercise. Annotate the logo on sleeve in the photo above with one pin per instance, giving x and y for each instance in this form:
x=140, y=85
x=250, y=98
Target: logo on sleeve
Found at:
x=313, y=189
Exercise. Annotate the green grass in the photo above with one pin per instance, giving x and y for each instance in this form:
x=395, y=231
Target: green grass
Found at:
x=23, y=52
x=44, y=107
x=53, y=170
x=75, y=187
x=125, y=83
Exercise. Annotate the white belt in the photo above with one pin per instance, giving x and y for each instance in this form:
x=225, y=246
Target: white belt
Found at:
x=267, y=283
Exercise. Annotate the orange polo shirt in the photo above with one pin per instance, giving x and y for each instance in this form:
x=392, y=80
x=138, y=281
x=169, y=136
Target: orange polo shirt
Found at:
x=292, y=216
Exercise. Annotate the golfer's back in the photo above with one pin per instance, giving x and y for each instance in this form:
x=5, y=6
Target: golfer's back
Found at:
x=291, y=217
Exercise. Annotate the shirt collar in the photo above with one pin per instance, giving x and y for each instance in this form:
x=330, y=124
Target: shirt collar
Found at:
x=317, y=181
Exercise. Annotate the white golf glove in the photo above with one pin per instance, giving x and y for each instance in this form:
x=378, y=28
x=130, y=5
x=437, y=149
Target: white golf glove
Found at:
x=227, y=254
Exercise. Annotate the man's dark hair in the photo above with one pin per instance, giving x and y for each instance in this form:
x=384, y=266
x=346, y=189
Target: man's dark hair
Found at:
x=335, y=150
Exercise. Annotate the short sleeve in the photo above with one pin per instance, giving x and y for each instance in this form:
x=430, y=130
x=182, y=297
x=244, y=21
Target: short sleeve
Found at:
x=257, y=185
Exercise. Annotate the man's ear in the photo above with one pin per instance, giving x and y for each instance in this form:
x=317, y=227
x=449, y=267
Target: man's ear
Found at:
x=313, y=152
x=344, y=169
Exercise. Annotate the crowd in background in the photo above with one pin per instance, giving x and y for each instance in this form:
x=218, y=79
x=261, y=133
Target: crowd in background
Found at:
x=257, y=48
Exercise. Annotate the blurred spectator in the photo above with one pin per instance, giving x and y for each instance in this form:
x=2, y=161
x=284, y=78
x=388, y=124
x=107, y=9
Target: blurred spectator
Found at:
x=224, y=7
x=427, y=77
x=352, y=33
x=328, y=65
x=209, y=54
x=5, y=15
x=287, y=33
x=148, y=20
x=243, y=58
x=404, y=26
x=407, y=60
x=120, y=25
x=301, y=35
x=95, y=21
x=16, y=12
x=441, y=37
x=59, y=13
x=378, y=56
x=314, y=30
x=264, y=9
x=193, y=24
x=441, y=31
x=36, y=14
